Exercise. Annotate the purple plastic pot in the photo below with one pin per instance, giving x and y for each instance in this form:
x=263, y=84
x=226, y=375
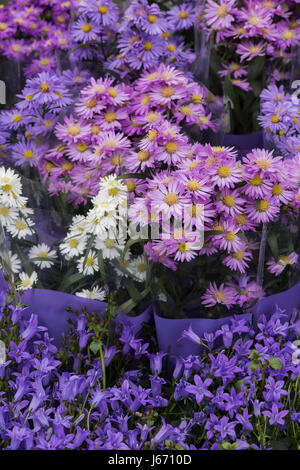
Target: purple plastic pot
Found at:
x=244, y=142
x=50, y=307
x=288, y=300
x=169, y=331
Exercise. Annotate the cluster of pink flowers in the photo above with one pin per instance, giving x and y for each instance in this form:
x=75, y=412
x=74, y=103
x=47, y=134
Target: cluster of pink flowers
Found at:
x=116, y=127
x=251, y=28
x=31, y=28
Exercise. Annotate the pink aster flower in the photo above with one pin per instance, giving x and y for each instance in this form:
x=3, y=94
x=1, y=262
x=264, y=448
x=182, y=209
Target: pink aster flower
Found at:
x=219, y=15
x=169, y=200
x=238, y=260
x=230, y=202
x=219, y=295
x=229, y=240
x=85, y=31
x=249, y=50
x=181, y=16
x=225, y=174
x=263, y=210
x=262, y=162
x=72, y=130
x=277, y=267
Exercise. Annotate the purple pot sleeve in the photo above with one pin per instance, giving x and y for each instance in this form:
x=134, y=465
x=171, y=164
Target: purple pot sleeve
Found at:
x=169, y=331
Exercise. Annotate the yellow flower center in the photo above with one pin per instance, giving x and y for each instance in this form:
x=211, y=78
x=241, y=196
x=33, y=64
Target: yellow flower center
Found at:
x=263, y=163
x=17, y=118
x=112, y=92
x=182, y=247
x=171, y=147
x=222, y=11
x=224, y=171
x=275, y=119
x=48, y=123
x=116, y=160
x=230, y=236
x=262, y=205
x=67, y=166
x=241, y=219
x=4, y=211
x=20, y=225
x=239, y=255
x=7, y=187
x=152, y=19
x=228, y=200
x=81, y=147
x=141, y=267
x=256, y=181
x=28, y=154
x=73, y=130
x=73, y=243
x=288, y=35
x=148, y=46
x=167, y=92
x=254, y=20
x=43, y=254
x=193, y=185
x=152, y=116
x=143, y=156
x=110, y=117
x=111, y=144
x=44, y=62
x=3, y=26
x=86, y=28
x=183, y=15
x=219, y=296
x=103, y=9
x=171, y=199
x=170, y=48
x=186, y=110
x=254, y=50
x=277, y=190
x=95, y=130
x=284, y=259
x=131, y=186
x=109, y=243
x=90, y=261
x=152, y=135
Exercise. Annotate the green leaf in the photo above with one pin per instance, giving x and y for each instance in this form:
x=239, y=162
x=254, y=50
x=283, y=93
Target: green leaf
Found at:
x=273, y=244
x=95, y=346
x=253, y=365
x=69, y=280
x=275, y=363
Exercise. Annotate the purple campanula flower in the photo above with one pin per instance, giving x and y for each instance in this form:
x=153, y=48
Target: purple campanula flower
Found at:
x=200, y=388
x=276, y=416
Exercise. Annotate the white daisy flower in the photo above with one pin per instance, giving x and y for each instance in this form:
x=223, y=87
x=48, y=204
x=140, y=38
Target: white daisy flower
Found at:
x=10, y=188
x=73, y=246
x=113, y=189
x=42, y=251
x=8, y=215
x=12, y=261
x=26, y=282
x=21, y=228
x=88, y=265
x=96, y=293
x=111, y=247
x=95, y=224
x=138, y=268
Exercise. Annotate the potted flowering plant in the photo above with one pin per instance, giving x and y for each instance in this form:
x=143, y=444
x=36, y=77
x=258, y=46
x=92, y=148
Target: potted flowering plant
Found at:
x=250, y=42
